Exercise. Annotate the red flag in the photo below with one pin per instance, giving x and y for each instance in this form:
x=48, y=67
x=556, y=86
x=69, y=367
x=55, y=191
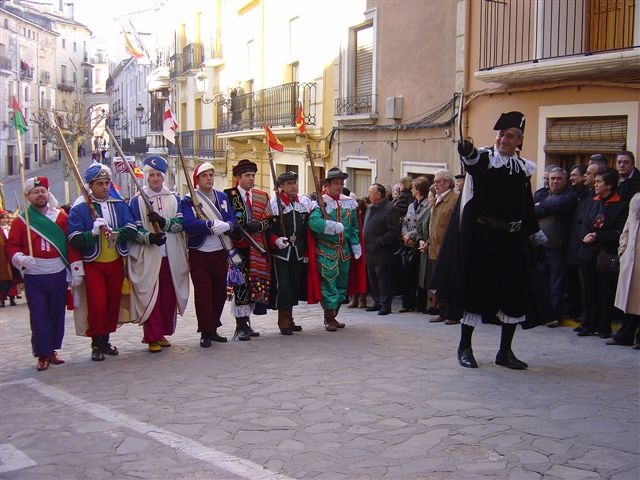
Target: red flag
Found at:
x=271, y=138
x=300, y=125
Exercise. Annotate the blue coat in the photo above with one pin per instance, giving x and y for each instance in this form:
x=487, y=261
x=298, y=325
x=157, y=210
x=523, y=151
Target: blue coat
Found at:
x=196, y=229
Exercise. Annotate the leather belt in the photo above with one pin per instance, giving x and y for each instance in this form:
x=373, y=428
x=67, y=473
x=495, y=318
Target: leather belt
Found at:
x=511, y=227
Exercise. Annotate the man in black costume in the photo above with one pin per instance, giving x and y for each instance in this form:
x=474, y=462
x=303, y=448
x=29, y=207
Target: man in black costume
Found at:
x=495, y=227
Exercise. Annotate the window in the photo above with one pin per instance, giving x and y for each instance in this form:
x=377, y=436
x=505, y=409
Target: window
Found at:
x=75, y=47
x=252, y=59
x=63, y=74
x=295, y=38
x=26, y=94
x=64, y=43
x=363, y=68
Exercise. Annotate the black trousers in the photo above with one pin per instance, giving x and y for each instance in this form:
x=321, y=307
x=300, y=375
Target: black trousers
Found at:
x=380, y=284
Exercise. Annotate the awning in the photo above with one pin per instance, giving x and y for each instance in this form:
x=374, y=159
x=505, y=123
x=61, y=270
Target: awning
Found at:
x=596, y=134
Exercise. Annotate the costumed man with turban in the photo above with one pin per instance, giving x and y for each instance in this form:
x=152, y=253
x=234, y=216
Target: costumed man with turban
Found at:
x=103, y=242
x=158, y=266
x=337, y=240
x=46, y=270
x=497, y=222
x=288, y=242
x=253, y=211
x=210, y=251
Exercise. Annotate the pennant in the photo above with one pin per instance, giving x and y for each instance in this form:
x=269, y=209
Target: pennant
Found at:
x=132, y=43
x=137, y=172
x=18, y=118
x=271, y=138
x=300, y=125
x=169, y=126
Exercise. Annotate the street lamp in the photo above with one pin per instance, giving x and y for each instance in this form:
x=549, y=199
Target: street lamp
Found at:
x=201, y=87
x=140, y=115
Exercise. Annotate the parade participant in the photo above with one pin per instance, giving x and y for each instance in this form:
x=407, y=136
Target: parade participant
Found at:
x=337, y=240
x=253, y=211
x=287, y=240
x=158, y=267
x=45, y=270
x=209, y=250
x=495, y=228
x=103, y=243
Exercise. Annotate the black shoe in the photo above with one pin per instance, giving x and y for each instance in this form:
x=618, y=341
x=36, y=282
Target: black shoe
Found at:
x=384, y=311
x=553, y=324
x=509, y=360
x=465, y=358
x=96, y=354
x=296, y=328
x=372, y=308
x=433, y=311
x=604, y=335
x=109, y=349
x=205, y=341
x=585, y=332
x=241, y=335
x=286, y=331
x=216, y=338
x=405, y=310
x=12, y=302
x=252, y=332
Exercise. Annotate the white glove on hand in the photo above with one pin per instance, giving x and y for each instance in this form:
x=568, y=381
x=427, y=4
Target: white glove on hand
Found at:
x=23, y=262
x=333, y=228
x=219, y=227
x=282, y=242
x=357, y=251
x=97, y=223
x=77, y=274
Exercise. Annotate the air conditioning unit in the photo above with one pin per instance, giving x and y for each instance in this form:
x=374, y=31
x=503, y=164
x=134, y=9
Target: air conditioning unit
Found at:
x=394, y=108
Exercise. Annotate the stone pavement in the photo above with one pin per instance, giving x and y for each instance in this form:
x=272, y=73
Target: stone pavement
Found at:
x=382, y=399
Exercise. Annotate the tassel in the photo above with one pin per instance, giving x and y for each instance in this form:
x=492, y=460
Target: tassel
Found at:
x=234, y=276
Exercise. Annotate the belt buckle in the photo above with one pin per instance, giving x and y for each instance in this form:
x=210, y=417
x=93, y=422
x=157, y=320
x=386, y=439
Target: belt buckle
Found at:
x=515, y=226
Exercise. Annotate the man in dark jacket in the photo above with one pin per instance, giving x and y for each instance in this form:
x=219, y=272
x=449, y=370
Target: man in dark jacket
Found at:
x=381, y=229
x=629, y=182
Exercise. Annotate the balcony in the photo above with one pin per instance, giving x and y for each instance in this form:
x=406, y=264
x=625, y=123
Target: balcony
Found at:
x=356, y=110
x=5, y=63
x=193, y=57
x=45, y=78
x=277, y=106
x=26, y=73
x=66, y=86
x=528, y=41
x=176, y=62
x=199, y=144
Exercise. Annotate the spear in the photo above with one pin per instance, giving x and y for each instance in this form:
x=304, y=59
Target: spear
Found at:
x=303, y=129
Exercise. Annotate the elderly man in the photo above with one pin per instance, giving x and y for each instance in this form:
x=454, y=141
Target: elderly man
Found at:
x=382, y=229
x=554, y=214
x=629, y=182
x=253, y=211
x=337, y=240
x=158, y=265
x=209, y=250
x=496, y=224
x=446, y=199
x=39, y=249
x=103, y=241
x=288, y=242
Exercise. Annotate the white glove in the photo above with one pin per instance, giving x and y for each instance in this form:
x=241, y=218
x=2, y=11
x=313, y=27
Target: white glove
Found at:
x=77, y=274
x=219, y=227
x=282, y=242
x=333, y=228
x=97, y=223
x=23, y=262
x=357, y=250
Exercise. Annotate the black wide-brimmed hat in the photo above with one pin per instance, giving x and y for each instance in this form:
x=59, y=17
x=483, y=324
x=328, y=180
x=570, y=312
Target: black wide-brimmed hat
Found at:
x=243, y=166
x=286, y=177
x=335, y=172
x=510, y=120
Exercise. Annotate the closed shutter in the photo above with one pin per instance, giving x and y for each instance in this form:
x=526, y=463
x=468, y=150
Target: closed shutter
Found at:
x=580, y=135
x=364, y=62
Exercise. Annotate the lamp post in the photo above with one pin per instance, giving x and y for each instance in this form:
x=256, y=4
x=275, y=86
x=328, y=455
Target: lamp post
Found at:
x=201, y=87
x=141, y=116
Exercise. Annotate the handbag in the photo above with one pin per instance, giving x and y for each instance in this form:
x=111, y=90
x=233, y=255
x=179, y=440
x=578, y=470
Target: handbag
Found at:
x=607, y=262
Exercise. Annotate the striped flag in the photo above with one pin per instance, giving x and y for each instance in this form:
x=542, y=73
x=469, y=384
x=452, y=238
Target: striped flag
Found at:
x=169, y=125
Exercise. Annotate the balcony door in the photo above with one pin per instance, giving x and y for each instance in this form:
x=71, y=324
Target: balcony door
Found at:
x=610, y=24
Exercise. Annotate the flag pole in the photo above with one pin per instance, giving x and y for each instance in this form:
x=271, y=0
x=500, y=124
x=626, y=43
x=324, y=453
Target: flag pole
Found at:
x=275, y=185
x=316, y=183
x=24, y=184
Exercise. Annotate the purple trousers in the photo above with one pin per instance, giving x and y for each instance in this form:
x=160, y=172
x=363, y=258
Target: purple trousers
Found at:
x=46, y=299
x=209, y=278
x=162, y=320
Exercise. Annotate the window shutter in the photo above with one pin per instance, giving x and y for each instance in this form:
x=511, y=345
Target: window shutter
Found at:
x=364, y=62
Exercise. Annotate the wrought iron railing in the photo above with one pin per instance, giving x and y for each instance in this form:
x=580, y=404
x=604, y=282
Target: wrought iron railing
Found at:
x=199, y=143
x=356, y=105
x=5, y=62
x=26, y=73
x=520, y=31
x=277, y=106
x=193, y=56
x=176, y=60
x=66, y=86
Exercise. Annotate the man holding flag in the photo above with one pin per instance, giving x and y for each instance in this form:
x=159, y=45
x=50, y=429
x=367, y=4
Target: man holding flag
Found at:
x=38, y=248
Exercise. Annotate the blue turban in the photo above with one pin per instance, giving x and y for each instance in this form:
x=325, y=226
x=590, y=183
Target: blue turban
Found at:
x=157, y=163
x=97, y=171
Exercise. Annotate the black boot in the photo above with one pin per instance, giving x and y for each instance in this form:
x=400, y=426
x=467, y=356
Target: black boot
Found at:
x=96, y=351
x=242, y=333
x=107, y=348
